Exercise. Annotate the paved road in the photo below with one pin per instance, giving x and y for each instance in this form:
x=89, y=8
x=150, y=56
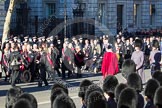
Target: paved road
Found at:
x=42, y=94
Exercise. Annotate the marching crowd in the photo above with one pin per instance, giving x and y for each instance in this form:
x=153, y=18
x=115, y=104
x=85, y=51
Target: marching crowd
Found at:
x=51, y=56
x=55, y=56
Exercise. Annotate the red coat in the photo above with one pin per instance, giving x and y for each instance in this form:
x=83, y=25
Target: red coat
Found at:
x=109, y=64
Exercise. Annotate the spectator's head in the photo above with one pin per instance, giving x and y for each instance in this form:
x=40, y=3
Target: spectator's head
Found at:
x=7, y=45
x=119, y=89
x=83, y=87
x=63, y=101
x=90, y=89
x=23, y=103
x=77, y=48
x=158, y=98
x=109, y=46
x=135, y=81
x=28, y=47
x=158, y=76
x=96, y=99
x=55, y=93
x=86, y=41
x=128, y=67
x=12, y=96
x=30, y=98
x=128, y=99
x=109, y=85
x=150, y=88
x=13, y=45
x=60, y=84
x=138, y=44
x=70, y=45
x=155, y=44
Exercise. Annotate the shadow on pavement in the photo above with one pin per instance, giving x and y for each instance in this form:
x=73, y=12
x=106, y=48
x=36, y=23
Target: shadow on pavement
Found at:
x=70, y=83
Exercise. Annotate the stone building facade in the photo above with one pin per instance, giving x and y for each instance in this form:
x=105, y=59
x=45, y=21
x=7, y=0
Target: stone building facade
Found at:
x=2, y=16
x=110, y=16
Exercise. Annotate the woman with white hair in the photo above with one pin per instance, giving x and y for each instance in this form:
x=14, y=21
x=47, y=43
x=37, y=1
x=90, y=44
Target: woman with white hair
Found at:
x=79, y=60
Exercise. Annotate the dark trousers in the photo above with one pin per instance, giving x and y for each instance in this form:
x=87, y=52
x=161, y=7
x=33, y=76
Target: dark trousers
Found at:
x=5, y=70
x=58, y=72
x=42, y=78
x=14, y=76
x=64, y=68
x=154, y=68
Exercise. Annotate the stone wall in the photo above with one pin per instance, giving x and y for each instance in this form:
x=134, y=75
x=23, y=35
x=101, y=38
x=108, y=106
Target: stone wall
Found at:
x=38, y=8
x=2, y=17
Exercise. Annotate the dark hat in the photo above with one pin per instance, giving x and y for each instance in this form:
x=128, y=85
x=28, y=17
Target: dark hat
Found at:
x=158, y=76
x=24, y=42
x=60, y=84
x=43, y=37
x=34, y=37
x=109, y=84
x=15, y=37
x=63, y=101
x=26, y=37
x=96, y=99
x=158, y=97
x=128, y=67
x=119, y=89
x=151, y=87
x=128, y=98
x=138, y=43
x=80, y=38
x=109, y=46
x=135, y=81
x=39, y=38
x=48, y=38
x=23, y=103
x=51, y=37
x=30, y=98
x=83, y=87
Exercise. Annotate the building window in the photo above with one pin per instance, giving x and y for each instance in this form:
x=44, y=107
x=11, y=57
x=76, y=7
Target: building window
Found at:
x=137, y=15
x=101, y=13
x=152, y=14
x=51, y=9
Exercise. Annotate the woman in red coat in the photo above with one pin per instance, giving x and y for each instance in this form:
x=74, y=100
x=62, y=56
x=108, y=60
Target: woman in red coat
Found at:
x=109, y=63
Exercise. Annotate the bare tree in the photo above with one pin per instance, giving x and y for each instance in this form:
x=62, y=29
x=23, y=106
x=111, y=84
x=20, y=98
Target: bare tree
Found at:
x=6, y=28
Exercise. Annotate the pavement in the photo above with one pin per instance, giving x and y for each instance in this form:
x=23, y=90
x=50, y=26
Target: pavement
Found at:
x=42, y=94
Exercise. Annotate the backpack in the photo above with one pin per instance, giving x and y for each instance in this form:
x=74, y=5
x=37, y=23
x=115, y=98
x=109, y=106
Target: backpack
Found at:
x=15, y=64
